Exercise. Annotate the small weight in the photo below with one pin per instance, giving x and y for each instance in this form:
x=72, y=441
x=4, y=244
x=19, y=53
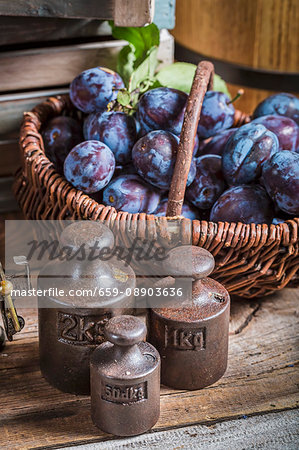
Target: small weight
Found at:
x=71, y=326
x=125, y=379
x=192, y=337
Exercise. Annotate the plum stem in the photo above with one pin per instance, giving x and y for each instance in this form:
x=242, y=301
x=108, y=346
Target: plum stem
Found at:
x=238, y=95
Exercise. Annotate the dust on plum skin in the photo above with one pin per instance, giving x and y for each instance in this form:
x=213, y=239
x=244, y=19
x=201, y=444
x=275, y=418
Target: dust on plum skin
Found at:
x=154, y=157
x=281, y=180
x=60, y=135
x=286, y=130
x=116, y=129
x=161, y=109
x=217, y=114
x=247, y=204
x=282, y=104
x=93, y=89
x=208, y=183
x=245, y=153
x=89, y=166
x=132, y=194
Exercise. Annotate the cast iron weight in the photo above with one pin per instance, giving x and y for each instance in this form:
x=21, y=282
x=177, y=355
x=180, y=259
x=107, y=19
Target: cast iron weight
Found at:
x=192, y=338
x=71, y=327
x=125, y=379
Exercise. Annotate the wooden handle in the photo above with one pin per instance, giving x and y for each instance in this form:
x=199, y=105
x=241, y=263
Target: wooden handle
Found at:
x=203, y=81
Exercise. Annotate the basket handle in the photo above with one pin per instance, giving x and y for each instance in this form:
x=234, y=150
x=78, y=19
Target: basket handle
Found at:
x=203, y=81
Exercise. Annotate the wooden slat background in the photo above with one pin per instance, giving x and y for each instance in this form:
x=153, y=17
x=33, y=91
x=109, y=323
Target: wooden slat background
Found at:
x=28, y=77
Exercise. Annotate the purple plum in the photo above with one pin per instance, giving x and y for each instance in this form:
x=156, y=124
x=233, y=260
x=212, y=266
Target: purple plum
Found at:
x=282, y=104
x=286, y=130
x=132, y=194
x=208, y=183
x=247, y=204
x=217, y=114
x=281, y=180
x=60, y=135
x=89, y=166
x=154, y=158
x=116, y=129
x=162, y=109
x=216, y=144
x=93, y=89
x=246, y=152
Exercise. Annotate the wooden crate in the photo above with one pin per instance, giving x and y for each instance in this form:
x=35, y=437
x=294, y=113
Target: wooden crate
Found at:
x=28, y=76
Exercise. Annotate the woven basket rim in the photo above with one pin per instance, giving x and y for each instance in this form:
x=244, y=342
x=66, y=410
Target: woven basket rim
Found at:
x=35, y=116
x=251, y=259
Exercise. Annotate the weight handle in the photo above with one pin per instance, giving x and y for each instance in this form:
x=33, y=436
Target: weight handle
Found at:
x=203, y=81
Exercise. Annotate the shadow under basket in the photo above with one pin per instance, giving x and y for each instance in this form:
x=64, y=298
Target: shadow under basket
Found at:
x=251, y=260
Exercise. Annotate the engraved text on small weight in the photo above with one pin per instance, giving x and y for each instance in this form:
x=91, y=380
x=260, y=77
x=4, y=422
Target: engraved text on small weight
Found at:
x=124, y=394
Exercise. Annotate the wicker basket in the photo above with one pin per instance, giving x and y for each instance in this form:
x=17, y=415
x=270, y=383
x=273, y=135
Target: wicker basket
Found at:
x=251, y=260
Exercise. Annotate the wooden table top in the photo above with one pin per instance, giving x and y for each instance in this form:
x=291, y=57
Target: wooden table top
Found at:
x=261, y=378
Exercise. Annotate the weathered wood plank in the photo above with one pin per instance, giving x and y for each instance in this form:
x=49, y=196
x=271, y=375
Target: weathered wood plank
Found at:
x=261, y=377
x=54, y=66
x=70, y=423
x=41, y=71
x=136, y=12
x=99, y=9
x=133, y=13
x=12, y=107
x=57, y=66
x=18, y=30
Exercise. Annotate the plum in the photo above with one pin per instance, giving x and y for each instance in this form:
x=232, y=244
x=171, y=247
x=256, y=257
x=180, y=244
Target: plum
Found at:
x=281, y=180
x=282, y=104
x=60, y=135
x=217, y=114
x=132, y=194
x=154, y=158
x=162, y=109
x=93, y=89
x=247, y=204
x=246, y=152
x=116, y=129
x=216, y=144
x=208, y=183
x=89, y=166
x=286, y=130
x=188, y=211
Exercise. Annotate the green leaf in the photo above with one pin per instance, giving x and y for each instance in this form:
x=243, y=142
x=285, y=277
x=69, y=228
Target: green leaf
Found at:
x=180, y=76
x=123, y=97
x=144, y=73
x=125, y=63
x=141, y=38
x=141, y=41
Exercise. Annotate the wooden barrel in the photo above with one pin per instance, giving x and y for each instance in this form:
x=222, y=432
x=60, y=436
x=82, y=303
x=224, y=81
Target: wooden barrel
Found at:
x=252, y=43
